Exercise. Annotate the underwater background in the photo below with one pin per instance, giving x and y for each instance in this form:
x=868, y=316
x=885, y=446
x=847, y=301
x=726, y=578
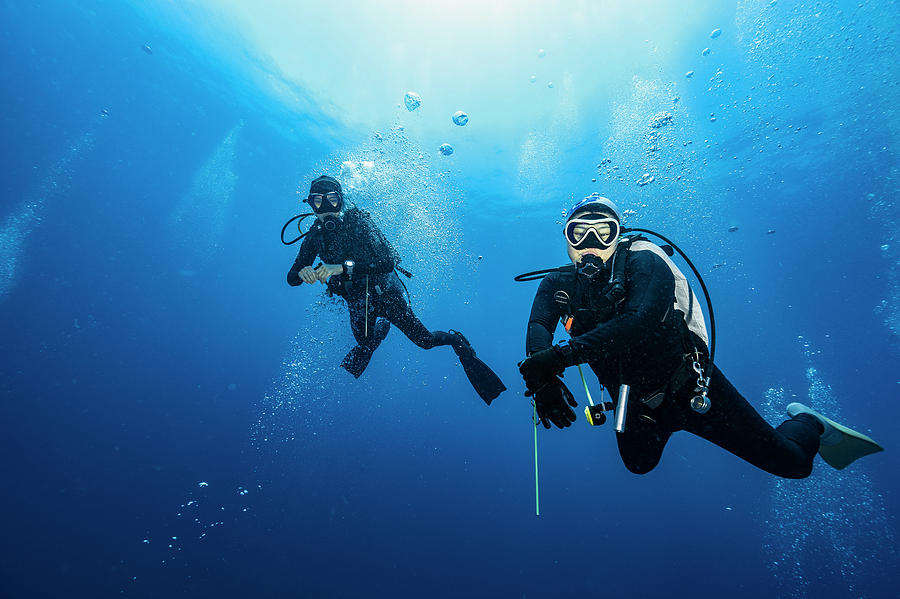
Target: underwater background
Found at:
x=174, y=419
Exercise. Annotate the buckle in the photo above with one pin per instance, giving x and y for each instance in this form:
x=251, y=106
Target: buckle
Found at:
x=653, y=401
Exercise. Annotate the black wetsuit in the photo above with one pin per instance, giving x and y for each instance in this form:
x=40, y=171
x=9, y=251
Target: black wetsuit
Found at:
x=373, y=281
x=642, y=341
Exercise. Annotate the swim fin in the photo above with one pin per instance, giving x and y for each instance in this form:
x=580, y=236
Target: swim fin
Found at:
x=487, y=384
x=839, y=446
x=357, y=359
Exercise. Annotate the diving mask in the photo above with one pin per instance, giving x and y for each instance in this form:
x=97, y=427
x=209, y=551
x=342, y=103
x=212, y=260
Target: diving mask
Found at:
x=325, y=202
x=599, y=231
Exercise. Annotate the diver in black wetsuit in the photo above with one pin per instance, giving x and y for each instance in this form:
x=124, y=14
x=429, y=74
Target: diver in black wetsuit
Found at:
x=359, y=265
x=634, y=320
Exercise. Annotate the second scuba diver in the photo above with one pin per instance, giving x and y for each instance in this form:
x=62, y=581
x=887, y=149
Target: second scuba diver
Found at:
x=634, y=320
x=358, y=264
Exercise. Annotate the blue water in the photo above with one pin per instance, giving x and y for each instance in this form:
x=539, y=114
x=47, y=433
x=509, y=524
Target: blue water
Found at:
x=174, y=419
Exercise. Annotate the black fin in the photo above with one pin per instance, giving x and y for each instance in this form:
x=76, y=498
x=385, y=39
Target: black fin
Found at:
x=357, y=359
x=485, y=382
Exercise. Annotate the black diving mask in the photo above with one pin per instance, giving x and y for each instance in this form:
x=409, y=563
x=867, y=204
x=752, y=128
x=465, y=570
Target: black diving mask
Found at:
x=325, y=202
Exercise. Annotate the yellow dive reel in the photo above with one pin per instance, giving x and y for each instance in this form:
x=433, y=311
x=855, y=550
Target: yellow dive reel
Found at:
x=595, y=412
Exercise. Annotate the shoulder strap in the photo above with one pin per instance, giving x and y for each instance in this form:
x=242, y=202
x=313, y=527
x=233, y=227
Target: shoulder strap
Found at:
x=685, y=299
x=619, y=259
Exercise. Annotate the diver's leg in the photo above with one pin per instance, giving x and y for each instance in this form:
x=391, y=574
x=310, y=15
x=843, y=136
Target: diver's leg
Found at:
x=368, y=337
x=485, y=382
x=733, y=424
x=641, y=445
x=368, y=333
x=399, y=312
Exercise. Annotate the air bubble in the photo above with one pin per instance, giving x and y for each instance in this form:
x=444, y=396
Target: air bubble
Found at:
x=412, y=101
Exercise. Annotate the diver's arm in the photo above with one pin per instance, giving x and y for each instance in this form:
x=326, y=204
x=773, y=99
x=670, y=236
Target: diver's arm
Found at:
x=650, y=295
x=545, y=313
x=305, y=257
x=326, y=271
x=374, y=268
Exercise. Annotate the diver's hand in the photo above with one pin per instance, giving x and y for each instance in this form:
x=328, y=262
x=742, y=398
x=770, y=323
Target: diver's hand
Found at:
x=326, y=271
x=552, y=401
x=541, y=366
x=307, y=275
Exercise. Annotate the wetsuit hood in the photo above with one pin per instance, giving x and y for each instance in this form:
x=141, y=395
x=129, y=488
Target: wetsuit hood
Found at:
x=324, y=184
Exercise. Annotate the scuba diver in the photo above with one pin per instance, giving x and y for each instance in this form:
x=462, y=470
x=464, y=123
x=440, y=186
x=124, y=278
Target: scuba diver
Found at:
x=635, y=321
x=359, y=264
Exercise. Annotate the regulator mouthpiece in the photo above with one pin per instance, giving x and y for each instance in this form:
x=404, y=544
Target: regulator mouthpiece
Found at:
x=330, y=223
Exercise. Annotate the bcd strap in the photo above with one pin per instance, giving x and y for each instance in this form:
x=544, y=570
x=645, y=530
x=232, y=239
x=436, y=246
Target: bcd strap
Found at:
x=611, y=296
x=614, y=293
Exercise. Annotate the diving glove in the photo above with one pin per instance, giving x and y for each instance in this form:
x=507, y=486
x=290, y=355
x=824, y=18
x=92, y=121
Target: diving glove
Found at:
x=552, y=401
x=541, y=366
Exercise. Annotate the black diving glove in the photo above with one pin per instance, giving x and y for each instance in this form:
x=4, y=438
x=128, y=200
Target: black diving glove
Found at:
x=552, y=401
x=541, y=366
